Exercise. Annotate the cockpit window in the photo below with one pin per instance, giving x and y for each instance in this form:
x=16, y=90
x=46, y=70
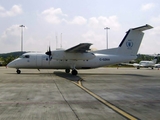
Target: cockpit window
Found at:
x=24, y=56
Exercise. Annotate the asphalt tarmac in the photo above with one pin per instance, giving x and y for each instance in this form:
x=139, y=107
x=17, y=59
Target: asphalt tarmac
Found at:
x=98, y=94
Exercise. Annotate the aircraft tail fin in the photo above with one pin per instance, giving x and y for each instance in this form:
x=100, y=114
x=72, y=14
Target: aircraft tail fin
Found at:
x=130, y=43
x=155, y=60
x=132, y=40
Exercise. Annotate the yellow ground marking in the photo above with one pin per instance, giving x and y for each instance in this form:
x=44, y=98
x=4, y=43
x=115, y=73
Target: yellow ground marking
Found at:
x=116, y=109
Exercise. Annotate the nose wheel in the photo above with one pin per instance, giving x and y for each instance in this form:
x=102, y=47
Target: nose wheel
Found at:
x=18, y=71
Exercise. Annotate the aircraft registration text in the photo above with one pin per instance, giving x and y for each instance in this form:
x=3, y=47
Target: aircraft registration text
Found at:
x=104, y=59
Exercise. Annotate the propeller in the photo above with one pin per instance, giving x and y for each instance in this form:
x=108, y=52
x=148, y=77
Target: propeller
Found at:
x=49, y=53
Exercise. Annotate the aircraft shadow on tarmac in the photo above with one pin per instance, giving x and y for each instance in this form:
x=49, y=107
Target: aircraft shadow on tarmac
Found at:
x=67, y=76
x=78, y=77
x=74, y=78
x=113, y=74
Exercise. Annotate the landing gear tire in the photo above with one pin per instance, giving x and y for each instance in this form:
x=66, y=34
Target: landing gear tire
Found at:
x=138, y=67
x=67, y=70
x=74, y=72
x=18, y=72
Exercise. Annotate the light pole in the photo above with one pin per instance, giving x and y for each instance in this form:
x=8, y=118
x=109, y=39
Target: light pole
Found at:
x=107, y=28
x=61, y=40
x=21, y=37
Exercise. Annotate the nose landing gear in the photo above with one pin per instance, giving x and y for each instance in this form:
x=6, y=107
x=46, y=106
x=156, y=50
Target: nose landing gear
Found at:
x=18, y=71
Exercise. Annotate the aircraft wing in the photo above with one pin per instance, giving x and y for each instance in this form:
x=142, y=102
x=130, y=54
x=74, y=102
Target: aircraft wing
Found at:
x=130, y=64
x=81, y=48
x=136, y=64
x=126, y=64
x=157, y=65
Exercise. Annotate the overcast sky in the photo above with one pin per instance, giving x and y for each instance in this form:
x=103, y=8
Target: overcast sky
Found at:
x=76, y=21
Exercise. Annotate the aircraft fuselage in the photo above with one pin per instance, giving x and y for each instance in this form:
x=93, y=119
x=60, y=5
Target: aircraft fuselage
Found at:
x=80, y=56
x=42, y=61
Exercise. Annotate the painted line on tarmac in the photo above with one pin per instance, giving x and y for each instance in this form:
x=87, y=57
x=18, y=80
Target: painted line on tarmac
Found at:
x=113, y=107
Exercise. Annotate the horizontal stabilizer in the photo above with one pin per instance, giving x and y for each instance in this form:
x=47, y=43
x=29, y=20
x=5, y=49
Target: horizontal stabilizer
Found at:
x=142, y=28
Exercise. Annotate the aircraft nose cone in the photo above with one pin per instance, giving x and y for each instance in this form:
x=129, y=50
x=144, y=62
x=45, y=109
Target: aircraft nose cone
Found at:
x=11, y=64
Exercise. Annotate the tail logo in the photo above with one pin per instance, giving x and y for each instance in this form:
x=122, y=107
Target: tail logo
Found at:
x=129, y=44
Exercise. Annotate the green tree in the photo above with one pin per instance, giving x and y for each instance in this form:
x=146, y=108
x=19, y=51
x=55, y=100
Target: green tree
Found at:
x=7, y=60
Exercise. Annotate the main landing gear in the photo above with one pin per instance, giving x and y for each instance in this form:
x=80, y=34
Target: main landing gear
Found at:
x=18, y=71
x=67, y=70
x=74, y=72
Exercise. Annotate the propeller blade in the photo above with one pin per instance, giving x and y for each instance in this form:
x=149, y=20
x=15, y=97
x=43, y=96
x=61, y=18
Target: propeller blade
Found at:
x=49, y=53
x=49, y=48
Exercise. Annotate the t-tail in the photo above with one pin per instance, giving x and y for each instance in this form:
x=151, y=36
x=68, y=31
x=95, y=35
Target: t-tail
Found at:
x=130, y=43
x=155, y=60
x=132, y=40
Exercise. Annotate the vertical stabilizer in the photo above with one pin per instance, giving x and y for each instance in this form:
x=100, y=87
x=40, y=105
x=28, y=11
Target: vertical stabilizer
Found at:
x=130, y=44
x=155, y=60
x=132, y=40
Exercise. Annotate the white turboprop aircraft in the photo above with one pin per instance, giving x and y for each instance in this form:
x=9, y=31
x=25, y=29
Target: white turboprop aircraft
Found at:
x=147, y=64
x=79, y=57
